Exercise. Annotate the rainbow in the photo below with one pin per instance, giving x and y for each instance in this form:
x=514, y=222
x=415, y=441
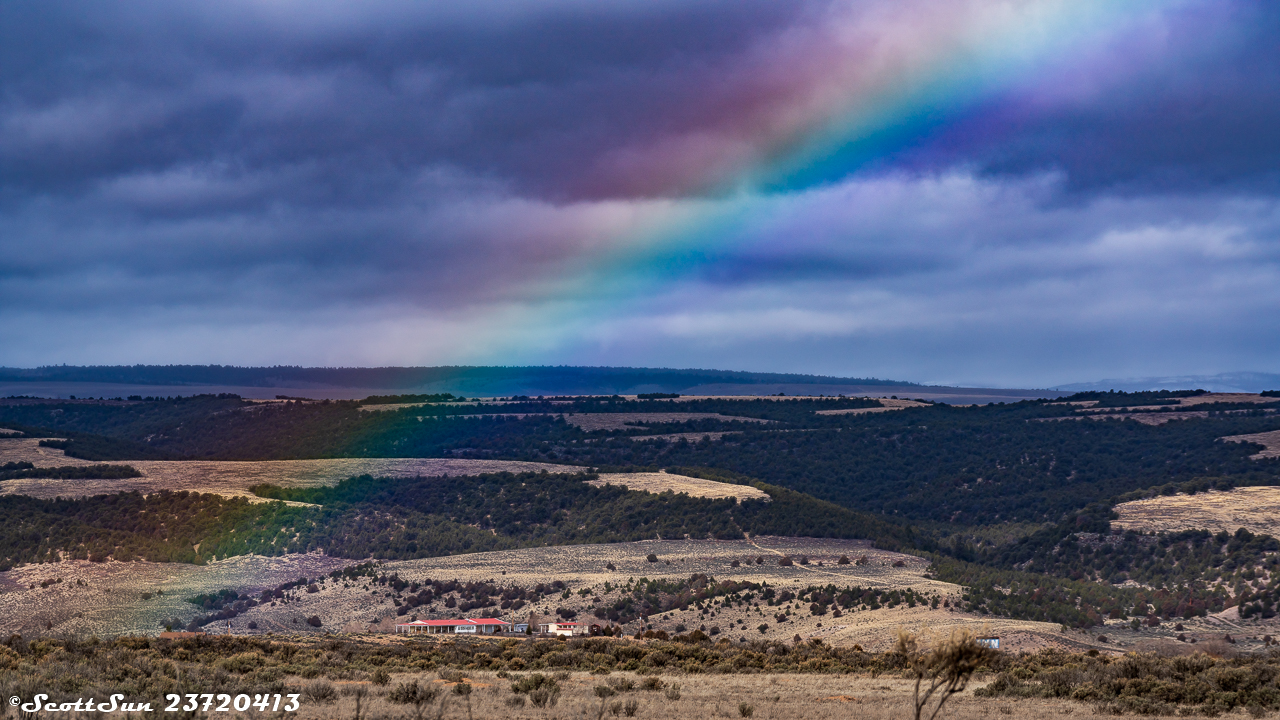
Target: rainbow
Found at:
x=823, y=103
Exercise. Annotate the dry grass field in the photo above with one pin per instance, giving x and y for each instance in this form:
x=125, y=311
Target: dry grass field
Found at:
x=629, y=421
x=710, y=697
x=106, y=598
x=602, y=421
x=1256, y=509
x=1161, y=414
x=1269, y=440
x=661, y=482
x=886, y=404
x=234, y=478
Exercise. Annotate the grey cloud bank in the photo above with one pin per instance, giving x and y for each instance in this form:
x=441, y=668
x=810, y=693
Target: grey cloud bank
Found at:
x=407, y=184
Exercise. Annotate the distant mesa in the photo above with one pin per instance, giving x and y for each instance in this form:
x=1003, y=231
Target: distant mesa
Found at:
x=471, y=382
x=1234, y=382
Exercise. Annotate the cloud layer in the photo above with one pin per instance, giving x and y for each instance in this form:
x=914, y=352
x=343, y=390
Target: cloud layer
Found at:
x=1022, y=193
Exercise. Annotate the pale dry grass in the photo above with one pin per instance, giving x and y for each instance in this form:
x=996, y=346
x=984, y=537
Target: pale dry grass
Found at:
x=1269, y=440
x=886, y=404
x=29, y=450
x=586, y=567
x=711, y=697
x=1256, y=509
x=234, y=478
x=109, y=602
x=1151, y=418
x=661, y=482
x=598, y=421
x=629, y=421
x=1225, y=398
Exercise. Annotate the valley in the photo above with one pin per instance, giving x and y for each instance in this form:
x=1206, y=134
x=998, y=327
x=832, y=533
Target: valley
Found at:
x=735, y=523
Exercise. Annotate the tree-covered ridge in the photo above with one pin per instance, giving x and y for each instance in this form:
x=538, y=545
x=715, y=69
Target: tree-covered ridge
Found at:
x=1113, y=398
x=964, y=466
x=419, y=398
x=8, y=471
x=938, y=464
x=554, y=509
x=403, y=519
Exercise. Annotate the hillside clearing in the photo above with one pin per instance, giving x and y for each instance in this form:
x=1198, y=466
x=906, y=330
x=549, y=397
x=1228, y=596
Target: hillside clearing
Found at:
x=660, y=482
x=1256, y=509
x=234, y=478
x=1269, y=440
x=886, y=404
x=589, y=422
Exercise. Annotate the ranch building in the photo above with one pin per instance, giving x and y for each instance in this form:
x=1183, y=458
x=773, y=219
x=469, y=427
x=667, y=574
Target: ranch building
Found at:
x=566, y=629
x=472, y=626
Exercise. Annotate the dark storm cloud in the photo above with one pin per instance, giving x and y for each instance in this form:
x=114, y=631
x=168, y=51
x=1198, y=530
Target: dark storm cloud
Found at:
x=1192, y=108
x=247, y=181
x=91, y=94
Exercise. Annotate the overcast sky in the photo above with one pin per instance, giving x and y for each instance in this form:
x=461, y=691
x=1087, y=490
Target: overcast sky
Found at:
x=1005, y=192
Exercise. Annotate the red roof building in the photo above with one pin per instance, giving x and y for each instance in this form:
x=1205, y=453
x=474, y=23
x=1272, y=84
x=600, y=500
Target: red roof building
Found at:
x=473, y=626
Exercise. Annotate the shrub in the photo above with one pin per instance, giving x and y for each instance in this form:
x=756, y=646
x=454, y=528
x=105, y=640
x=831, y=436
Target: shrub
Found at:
x=944, y=669
x=544, y=697
x=622, y=684
x=673, y=692
x=314, y=621
x=630, y=707
x=651, y=557
x=241, y=662
x=380, y=677
x=413, y=694
x=320, y=693
x=652, y=683
x=745, y=710
x=536, y=681
x=844, y=560
x=785, y=561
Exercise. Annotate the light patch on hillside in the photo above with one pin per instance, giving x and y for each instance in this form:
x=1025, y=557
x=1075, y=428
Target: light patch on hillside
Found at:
x=234, y=478
x=886, y=404
x=1269, y=440
x=661, y=482
x=1256, y=509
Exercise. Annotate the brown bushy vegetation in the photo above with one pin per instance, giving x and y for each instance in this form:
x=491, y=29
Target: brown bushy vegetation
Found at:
x=1146, y=683
x=536, y=668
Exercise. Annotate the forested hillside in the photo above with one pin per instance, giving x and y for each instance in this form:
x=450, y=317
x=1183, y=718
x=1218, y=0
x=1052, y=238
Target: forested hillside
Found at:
x=401, y=519
x=1025, y=462
x=1013, y=496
